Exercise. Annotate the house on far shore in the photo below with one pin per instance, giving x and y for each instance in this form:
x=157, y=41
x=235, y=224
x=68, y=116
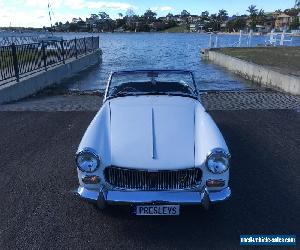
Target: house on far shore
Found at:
x=282, y=21
x=176, y=18
x=269, y=23
x=197, y=26
x=193, y=27
x=118, y=30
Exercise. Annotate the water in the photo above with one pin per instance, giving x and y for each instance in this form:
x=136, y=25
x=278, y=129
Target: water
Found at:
x=129, y=51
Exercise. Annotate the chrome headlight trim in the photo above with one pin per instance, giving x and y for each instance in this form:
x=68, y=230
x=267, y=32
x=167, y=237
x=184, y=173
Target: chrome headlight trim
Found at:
x=93, y=153
x=218, y=151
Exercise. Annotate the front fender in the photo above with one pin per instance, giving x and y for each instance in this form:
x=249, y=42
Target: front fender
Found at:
x=207, y=138
x=97, y=137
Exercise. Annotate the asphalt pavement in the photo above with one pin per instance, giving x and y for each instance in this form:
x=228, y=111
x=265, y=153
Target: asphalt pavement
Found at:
x=38, y=175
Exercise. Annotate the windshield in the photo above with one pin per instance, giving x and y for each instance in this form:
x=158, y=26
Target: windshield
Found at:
x=150, y=82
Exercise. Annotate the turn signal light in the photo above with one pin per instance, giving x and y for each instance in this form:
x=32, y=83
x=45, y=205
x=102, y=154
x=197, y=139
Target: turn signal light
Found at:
x=91, y=179
x=215, y=183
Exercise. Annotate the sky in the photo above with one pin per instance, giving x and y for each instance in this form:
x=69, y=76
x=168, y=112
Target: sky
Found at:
x=34, y=13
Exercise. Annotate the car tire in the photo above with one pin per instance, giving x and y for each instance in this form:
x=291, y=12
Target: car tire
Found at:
x=101, y=204
x=206, y=204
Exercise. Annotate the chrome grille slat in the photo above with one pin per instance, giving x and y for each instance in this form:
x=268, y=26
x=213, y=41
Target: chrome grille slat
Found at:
x=152, y=181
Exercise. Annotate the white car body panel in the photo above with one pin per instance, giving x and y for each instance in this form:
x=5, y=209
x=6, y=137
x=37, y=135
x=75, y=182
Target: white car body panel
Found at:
x=152, y=132
x=121, y=133
x=207, y=136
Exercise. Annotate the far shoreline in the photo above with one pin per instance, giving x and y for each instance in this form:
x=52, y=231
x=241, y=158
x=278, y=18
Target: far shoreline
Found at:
x=118, y=32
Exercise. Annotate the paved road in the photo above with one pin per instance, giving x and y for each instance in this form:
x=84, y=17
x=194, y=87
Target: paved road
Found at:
x=38, y=175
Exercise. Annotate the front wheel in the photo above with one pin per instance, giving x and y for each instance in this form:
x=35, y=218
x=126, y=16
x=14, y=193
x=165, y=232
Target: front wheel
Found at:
x=206, y=204
x=101, y=204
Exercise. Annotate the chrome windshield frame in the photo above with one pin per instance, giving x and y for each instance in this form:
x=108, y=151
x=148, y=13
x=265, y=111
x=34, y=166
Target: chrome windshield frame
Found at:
x=148, y=71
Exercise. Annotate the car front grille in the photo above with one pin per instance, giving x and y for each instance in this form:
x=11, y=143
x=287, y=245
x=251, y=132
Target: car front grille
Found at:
x=149, y=181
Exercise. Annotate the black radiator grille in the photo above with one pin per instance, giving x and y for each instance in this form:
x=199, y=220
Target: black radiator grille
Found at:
x=161, y=180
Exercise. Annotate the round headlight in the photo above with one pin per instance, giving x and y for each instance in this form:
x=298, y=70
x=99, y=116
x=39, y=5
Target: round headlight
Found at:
x=87, y=161
x=217, y=161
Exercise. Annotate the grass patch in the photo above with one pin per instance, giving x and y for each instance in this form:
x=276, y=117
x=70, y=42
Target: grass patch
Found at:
x=177, y=29
x=283, y=59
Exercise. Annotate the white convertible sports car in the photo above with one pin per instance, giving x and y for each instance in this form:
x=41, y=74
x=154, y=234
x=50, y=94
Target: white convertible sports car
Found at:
x=152, y=145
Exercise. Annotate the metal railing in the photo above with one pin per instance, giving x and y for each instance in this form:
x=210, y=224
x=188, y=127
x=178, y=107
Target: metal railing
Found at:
x=244, y=40
x=18, y=40
x=19, y=61
x=280, y=39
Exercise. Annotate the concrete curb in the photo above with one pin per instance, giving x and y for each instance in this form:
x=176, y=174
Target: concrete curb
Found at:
x=262, y=75
x=32, y=84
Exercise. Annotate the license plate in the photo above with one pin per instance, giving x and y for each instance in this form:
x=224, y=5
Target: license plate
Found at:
x=157, y=210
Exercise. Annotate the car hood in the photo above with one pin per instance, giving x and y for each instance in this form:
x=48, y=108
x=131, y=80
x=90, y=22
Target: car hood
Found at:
x=152, y=132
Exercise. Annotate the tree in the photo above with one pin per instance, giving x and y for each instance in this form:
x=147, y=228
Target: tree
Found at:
x=103, y=16
x=295, y=24
x=205, y=16
x=131, y=20
x=73, y=27
x=149, y=15
x=222, y=15
x=170, y=15
x=120, y=15
x=75, y=20
x=213, y=23
x=253, y=15
x=105, y=23
x=130, y=13
x=252, y=10
x=261, y=17
x=185, y=13
x=221, y=18
x=81, y=25
x=239, y=23
x=291, y=12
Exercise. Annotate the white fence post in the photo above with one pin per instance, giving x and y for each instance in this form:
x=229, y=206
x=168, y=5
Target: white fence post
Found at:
x=250, y=38
x=272, y=38
x=282, y=38
x=209, y=45
x=240, y=38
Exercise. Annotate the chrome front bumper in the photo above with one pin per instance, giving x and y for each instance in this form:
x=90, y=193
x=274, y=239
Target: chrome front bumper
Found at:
x=161, y=197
